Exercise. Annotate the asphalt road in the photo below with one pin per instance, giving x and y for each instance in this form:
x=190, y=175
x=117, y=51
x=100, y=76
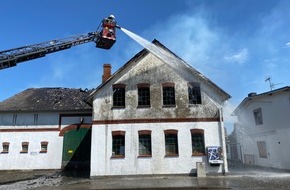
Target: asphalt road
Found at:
x=239, y=178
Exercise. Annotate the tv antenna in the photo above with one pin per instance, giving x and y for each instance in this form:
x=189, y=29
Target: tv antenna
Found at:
x=272, y=85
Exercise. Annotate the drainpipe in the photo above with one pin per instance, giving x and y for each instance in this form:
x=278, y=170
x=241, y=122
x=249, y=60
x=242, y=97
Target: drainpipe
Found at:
x=223, y=141
x=223, y=136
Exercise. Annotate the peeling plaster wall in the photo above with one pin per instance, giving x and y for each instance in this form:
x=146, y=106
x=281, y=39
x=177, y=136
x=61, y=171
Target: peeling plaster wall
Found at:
x=155, y=72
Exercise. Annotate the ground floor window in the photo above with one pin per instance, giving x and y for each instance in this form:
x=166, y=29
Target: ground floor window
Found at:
x=118, y=144
x=262, y=149
x=44, y=145
x=197, y=141
x=171, y=143
x=24, y=147
x=5, y=146
x=144, y=143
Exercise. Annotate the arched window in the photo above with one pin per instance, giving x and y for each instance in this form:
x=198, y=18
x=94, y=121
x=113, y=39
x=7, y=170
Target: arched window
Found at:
x=5, y=146
x=118, y=144
x=24, y=147
x=43, y=146
x=143, y=95
x=144, y=143
x=194, y=95
x=171, y=142
x=197, y=141
x=119, y=95
x=168, y=94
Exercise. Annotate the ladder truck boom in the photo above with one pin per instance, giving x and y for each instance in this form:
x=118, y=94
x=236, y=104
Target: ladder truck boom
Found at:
x=104, y=38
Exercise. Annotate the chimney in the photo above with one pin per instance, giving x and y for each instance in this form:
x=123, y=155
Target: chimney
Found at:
x=106, y=72
x=252, y=94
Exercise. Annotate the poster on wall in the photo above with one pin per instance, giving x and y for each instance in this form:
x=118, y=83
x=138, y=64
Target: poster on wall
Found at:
x=215, y=155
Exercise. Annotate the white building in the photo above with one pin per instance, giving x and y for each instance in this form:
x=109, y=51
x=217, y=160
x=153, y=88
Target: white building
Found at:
x=151, y=118
x=38, y=126
x=263, y=128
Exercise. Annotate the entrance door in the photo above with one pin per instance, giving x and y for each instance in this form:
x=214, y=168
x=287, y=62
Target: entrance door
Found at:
x=77, y=149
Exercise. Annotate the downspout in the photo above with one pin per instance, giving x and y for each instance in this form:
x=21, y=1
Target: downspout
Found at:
x=223, y=141
x=222, y=134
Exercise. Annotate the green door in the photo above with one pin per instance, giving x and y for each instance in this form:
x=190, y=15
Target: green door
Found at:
x=76, y=149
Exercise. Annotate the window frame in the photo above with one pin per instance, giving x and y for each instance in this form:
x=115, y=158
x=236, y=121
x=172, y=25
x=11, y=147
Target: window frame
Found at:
x=23, y=146
x=198, y=133
x=258, y=116
x=168, y=95
x=35, y=119
x=262, y=148
x=5, y=150
x=194, y=93
x=119, y=95
x=121, y=137
x=14, y=119
x=141, y=95
x=45, y=145
x=146, y=134
x=171, y=135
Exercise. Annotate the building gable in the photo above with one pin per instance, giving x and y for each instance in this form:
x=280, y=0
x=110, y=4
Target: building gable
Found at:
x=145, y=68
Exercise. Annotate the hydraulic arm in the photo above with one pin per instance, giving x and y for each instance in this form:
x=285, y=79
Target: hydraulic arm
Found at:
x=104, y=38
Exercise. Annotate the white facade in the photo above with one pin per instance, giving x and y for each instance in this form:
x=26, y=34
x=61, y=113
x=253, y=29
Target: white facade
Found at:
x=33, y=129
x=102, y=162
x=156, y=118
x=33, y=159
x=265, y=143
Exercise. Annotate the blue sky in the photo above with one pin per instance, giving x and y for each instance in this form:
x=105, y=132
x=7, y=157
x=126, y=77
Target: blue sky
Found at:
x=237, y=44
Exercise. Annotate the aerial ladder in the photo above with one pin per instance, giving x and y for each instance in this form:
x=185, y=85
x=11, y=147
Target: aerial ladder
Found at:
x=104, y=37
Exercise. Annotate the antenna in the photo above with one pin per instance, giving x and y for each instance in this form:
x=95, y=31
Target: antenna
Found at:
x=271, y=84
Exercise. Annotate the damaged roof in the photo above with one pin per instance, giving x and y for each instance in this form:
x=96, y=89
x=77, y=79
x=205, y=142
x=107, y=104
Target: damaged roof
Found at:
x=47, y=99
x=143, y=53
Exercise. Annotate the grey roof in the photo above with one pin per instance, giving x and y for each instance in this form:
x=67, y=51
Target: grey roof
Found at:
x=47, y=99
x=254, y=95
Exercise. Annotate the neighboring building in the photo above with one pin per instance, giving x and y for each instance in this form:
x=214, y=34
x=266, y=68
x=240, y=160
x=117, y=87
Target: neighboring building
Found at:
x=41, y=128
x=151, y=118
x=233, y=147
x=263, y=129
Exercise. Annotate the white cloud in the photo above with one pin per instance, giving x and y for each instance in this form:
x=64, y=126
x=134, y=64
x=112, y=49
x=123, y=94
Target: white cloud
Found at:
x=288, y=44
x=239, y=57
x=190, y=36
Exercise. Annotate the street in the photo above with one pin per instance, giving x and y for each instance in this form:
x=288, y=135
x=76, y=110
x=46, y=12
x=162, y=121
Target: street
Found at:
x=239, y=177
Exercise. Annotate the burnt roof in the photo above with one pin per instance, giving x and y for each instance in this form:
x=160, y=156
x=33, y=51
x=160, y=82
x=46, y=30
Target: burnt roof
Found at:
x=143, y=53
x=47, y=99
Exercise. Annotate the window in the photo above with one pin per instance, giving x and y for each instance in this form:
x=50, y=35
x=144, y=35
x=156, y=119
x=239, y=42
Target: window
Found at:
x=171, y=143
x=262, y=149
x=197, y=141
x=168, y=94
x=14, y=119
x=43, y=146
x=258, y=116
x=24, y=147
x=35, y=118
x=5, y=146
x=194, y=95
x=119, y=95
x=118, y=144
x=143, y=95
x=144, y=143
